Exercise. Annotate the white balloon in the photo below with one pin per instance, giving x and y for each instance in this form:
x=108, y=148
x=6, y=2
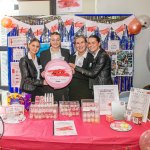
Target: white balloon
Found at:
x=144, y=20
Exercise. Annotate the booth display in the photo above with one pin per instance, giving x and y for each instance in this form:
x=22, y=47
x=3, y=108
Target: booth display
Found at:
x=91, y=128
x=20, y=32
x=69, y=108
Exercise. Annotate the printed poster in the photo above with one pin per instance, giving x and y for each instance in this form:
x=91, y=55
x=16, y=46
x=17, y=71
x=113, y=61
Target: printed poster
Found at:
x=63, y=128
x=15, y=74
x=4, y=68
x=139, y=102
x=125, y=63
x=105, y=95
x=64, y=6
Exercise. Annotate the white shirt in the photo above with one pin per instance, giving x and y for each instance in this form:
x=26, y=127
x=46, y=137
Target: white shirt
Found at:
x=36, y=65
x=96, y=53
x=80, y=58
x=56, y=54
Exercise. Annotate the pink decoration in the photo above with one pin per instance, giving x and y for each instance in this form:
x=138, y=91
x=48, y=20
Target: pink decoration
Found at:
x=58, y=73
x=145, y=140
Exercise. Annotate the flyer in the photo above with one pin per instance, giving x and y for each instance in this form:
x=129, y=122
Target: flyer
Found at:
x=64, y=128
x=104, y=95
x=139, y=102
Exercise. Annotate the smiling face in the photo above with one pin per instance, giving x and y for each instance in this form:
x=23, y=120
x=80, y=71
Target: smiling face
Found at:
x=55, y=42
x=34, y=47
x=93, y=44
x=80, y=45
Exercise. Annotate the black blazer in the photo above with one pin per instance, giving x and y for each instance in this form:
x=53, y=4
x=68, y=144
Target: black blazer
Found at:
x=100, y=71
x=87, y=63
x=45, y=56
x=79, y=86
x=28, y=71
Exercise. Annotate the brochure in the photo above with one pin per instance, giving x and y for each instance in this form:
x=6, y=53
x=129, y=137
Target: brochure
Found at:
x=64, y=128
x=139, y=102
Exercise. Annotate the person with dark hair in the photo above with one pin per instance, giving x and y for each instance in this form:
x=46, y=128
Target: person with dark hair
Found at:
x=79, y=86
x=55, y=52
x=31, y=81
x=100, y=72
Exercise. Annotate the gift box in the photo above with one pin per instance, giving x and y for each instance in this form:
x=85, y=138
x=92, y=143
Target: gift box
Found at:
x=43, y=111
x=69, y=108
x=90, y=112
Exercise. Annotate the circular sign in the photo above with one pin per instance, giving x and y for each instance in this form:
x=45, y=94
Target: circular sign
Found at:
x=58, y=73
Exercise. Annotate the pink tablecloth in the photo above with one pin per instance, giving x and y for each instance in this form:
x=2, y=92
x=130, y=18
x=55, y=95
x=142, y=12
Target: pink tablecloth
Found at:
x=38, y=135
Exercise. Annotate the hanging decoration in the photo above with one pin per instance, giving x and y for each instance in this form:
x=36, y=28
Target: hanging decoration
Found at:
x=144, y=20
x=6, y=22
x=117, y=38
x=134, y=26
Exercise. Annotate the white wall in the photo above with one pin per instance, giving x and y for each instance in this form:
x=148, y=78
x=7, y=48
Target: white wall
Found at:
x=43, y=7
x=137, y=7
x=34, y=8
x=141, y=72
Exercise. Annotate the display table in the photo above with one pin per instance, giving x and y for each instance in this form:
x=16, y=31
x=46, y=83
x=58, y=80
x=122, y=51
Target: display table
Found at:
x=38, y=135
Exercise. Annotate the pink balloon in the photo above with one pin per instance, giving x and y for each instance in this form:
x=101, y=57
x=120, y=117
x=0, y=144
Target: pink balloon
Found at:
x=58, y=73
x=145, y=140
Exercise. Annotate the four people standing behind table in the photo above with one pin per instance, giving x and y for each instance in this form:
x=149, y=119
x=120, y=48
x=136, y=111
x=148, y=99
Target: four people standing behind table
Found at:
x=55, y=52
x=100, y=72
x=79, y=86
x=31, y=81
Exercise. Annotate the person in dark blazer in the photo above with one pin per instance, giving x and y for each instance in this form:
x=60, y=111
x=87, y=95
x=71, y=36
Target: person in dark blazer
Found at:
x=100, y=72
x=55, y=52
x=31, y=81
x=79, y=86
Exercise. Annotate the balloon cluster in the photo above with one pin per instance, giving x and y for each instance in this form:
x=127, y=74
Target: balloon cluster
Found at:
x=145, y=140
x=141, y=22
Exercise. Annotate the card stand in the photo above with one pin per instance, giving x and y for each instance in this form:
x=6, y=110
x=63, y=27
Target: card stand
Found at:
x=43, y=111
x=69, y=108
x=90, y=112
x=13, y=113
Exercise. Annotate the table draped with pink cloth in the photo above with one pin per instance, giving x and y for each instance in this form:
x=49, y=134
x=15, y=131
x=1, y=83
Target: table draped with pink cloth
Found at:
x=38, y=135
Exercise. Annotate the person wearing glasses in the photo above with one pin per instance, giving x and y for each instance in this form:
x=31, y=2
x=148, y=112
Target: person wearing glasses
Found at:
x=55, y=52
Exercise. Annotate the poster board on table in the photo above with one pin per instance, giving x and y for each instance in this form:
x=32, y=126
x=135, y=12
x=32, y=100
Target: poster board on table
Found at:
x=105, y=95
x=139, y=102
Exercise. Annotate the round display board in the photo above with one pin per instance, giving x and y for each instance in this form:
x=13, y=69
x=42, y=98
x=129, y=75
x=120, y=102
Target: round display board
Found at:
x=58, y=73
